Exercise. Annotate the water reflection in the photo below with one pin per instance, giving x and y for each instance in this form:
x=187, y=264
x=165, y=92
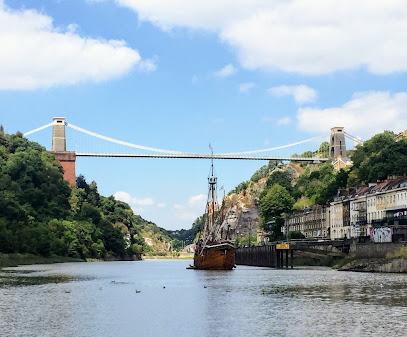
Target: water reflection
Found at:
x=10, y=277
x=162, y=298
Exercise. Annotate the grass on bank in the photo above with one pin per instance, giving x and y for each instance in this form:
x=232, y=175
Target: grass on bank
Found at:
x=400, y=254
x=174, y=256
x=14, y=260
x=344, y=261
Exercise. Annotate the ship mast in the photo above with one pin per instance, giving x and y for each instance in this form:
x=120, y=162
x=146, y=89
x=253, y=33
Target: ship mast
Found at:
x=212, y=180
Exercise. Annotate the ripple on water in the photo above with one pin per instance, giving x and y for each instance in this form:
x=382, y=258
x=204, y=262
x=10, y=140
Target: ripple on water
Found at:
x=82, y=300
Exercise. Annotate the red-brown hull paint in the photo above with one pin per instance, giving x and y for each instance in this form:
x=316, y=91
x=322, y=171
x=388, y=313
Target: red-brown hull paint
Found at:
x=221, y=257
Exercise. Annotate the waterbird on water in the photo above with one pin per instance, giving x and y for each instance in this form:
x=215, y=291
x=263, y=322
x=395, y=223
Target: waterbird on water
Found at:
x=138, y=291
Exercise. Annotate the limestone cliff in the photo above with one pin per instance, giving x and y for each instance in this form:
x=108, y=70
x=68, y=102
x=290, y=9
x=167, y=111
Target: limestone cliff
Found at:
x=243, y=214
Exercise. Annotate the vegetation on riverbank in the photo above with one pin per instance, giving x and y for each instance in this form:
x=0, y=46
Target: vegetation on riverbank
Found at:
x=16, y=259
x=41, y=215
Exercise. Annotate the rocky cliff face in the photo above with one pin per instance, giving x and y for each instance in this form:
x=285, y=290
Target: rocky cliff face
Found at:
x=243, y=215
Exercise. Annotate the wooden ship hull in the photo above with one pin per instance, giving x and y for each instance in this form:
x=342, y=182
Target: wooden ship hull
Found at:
x=216, y=257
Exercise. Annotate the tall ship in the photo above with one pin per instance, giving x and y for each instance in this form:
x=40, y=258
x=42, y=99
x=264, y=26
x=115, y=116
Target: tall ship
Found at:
x=214, y=249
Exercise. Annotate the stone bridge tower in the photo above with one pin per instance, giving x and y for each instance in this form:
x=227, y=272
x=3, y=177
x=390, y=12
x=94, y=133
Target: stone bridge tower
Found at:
x=337, y=147
x=66, y=158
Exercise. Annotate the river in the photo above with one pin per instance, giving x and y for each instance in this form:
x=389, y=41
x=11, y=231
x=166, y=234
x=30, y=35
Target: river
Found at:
x=161, y=298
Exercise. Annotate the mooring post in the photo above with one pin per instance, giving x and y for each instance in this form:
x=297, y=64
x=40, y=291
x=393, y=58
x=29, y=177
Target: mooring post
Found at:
x=282, y=259
x=292, y=258
x=286, y=258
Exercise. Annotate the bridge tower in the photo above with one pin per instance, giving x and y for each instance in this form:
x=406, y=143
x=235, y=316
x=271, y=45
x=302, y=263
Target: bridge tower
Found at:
x=337, y=147
x=67, y=159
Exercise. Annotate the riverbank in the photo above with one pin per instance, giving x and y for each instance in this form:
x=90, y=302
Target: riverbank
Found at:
x=14, y=260
x=377, y=258
x=377, y=266
x=169, y=257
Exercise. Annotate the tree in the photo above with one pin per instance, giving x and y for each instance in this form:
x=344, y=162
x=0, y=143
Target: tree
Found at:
x=241, y=187
x=313, y=183
x=379, y=157
x=199, y=224
x=276, y=201
x=323, y=150
x=282, y=178
x=296, y=235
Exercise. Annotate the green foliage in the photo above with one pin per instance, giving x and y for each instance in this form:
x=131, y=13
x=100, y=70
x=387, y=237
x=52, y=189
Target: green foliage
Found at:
x=275, y=202
x=199, y=225
x=176, y=245
x=252, y=239
x=159, y=239
x=302, y=203
x=280, y=177
x=400, y=254
x=41, y=215
x=323, y=150
x=296, y=235
x=275, y=228
x=31, y=183
x=313, y=184
x=241, y=187
x=259, y=174
x=379, y=157
x=264, y=171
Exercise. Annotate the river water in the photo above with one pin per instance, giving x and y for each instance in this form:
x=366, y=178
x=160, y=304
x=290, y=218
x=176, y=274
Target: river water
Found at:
x=162, y=298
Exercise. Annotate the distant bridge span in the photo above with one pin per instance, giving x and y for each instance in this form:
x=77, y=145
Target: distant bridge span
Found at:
x=67, y=159
x=199, y=156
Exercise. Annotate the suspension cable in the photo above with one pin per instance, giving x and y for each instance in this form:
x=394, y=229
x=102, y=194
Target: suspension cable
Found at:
x=170, y=151
x=356, y=139
x=38, y=129
x=119, y=141
x=274, y=148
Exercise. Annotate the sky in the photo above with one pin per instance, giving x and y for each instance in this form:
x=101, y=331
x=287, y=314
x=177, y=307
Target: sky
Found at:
x=241, y=75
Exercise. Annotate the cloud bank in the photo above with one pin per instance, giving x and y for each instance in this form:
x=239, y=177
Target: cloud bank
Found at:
x=36, y=54
x=308, y=37
x=365, y=114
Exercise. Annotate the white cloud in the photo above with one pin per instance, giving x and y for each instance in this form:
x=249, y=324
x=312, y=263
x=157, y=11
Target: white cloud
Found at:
x=175, y=217
x=198, y=14
x=245, y=87
x=36, y=54
x=309, y=37
x=133, y=201
x=226, y=71
x=284, y=121
x=301, y=93
x=194, y=208
x=366, y=114
x=148, y=65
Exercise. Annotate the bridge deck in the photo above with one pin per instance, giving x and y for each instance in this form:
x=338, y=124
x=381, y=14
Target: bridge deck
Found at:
x=198, y=156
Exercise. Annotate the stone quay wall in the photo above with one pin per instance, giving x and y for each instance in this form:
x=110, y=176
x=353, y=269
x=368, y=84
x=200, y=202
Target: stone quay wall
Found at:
x=375, y=250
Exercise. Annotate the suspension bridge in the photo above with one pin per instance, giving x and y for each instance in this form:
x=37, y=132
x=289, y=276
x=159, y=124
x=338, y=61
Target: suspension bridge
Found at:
x=279, y=153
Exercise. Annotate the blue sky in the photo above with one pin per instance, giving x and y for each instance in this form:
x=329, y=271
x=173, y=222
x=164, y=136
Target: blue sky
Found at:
x=239, y=74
